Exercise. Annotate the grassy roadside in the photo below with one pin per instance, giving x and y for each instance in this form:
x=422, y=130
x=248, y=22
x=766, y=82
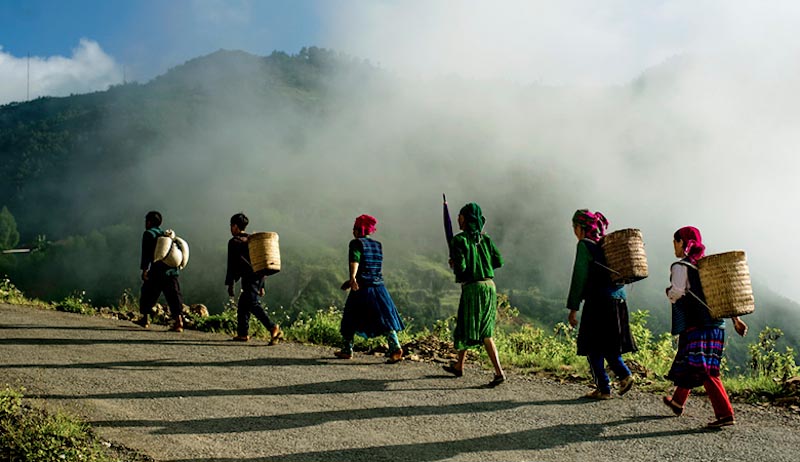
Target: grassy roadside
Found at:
x=32, y=434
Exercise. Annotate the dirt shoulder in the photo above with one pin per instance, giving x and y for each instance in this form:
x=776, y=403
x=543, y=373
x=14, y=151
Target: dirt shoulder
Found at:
x=196, y=396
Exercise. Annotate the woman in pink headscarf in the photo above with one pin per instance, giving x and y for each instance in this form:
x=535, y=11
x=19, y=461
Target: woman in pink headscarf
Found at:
x=701, y=337
x=369, y=310
x=604, y=334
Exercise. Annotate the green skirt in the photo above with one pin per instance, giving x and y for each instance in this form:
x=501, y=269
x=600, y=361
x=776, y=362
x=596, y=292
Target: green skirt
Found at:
x=477, y=311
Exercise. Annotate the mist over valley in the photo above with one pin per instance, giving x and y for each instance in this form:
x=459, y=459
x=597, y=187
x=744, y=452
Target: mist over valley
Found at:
x=303, y=143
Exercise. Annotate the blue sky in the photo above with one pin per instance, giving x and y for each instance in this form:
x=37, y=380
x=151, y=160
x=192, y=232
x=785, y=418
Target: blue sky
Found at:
x=149, y=36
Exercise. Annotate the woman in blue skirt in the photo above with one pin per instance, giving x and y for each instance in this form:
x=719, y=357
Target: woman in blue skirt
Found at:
x=369, y=310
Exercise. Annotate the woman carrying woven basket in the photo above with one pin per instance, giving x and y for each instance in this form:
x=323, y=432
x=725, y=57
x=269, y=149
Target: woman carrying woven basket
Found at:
x=474, y=258
x=604, y=333
x=369, y=310
x=701, y=338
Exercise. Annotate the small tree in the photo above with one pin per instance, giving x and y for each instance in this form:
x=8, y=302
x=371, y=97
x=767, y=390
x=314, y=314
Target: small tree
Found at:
x=765, y=360
x=9, y=236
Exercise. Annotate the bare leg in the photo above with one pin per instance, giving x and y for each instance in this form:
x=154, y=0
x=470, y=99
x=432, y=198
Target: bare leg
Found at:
x=457, y=368
x=462, y=356
x=491, y=350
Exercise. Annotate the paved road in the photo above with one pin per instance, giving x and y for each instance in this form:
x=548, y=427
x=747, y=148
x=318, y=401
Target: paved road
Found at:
x=195, y=396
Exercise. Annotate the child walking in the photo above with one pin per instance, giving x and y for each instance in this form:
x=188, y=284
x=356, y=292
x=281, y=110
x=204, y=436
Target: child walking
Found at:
x=701, y=338
x=157, y=277
x=239, y=267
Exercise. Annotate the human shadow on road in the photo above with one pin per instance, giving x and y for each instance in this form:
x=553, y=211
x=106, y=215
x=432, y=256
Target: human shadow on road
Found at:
x=45, y=327
x=165, y=338
x=241, y=424
x=151, y=365
x=527, y=440
x=316, y=388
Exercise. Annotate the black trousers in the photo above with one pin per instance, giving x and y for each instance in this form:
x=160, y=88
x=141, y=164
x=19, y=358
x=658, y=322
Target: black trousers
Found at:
x=156, y=283
x=250, y=303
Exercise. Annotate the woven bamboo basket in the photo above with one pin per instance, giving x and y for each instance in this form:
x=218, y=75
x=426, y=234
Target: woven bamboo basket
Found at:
x=265, y=253
x=725, y=278
x=625, y=256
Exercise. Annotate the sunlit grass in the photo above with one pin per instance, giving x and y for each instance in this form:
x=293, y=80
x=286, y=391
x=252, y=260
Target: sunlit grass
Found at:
x=32, y=434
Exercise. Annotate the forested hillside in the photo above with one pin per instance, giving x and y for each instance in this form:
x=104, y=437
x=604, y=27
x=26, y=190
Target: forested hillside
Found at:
x=303, y=144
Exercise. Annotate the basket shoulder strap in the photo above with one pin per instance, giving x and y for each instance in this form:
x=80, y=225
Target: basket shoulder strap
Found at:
x=685, y=263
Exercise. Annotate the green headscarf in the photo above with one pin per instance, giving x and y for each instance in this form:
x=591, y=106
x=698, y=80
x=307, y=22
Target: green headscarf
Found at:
x=473, y=221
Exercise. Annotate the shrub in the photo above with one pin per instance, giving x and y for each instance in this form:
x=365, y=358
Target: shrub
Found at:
x=655, y=355
x=9, y=292
x=10, y=402
x=223, y=323
x=766, y=361
x=321, y=328
x=128, y=302
x=75, y=303
x=534, y=348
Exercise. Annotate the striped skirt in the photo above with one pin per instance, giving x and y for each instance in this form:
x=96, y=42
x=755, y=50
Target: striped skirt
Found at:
x=699, y=356
x=477, y=311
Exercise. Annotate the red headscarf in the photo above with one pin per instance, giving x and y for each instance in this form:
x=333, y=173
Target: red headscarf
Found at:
x=693, y=247
x=365, y=225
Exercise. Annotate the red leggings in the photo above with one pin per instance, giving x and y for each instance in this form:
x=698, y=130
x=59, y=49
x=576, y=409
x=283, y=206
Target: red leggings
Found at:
x=716, y=394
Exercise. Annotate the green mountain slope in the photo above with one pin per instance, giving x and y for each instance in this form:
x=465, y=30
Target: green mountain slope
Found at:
x=303, y=144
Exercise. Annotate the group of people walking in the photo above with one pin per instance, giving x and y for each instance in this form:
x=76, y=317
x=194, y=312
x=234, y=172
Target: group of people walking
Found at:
x=604, y=333
x=158, y=278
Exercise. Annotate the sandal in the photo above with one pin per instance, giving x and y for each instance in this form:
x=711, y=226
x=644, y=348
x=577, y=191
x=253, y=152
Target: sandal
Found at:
x=676, y=408
x=498, y=379
x=451, y=368
x=343, y=355
x=723, y=422
x=395, y=357
x=177, y=325
x=276, y=334
x=597, y=394
x=625, y=385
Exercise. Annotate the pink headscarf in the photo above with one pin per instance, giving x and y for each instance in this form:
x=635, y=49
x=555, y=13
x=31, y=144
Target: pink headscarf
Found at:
x=594, y=224
x=365, y=225
x=693, y=247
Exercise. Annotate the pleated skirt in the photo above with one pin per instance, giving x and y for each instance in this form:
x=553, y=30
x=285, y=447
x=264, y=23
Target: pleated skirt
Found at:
x=699, y=356
x=370, y=312
x=477, y=313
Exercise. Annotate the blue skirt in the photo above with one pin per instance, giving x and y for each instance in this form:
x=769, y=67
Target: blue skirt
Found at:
x=370, y=312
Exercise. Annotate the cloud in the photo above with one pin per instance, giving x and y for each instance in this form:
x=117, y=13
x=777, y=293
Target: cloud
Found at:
x=88, y=69
x=665, y=113
x=565, y=42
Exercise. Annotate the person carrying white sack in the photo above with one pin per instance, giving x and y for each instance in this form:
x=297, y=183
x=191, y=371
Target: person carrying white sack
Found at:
x=158, y=277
